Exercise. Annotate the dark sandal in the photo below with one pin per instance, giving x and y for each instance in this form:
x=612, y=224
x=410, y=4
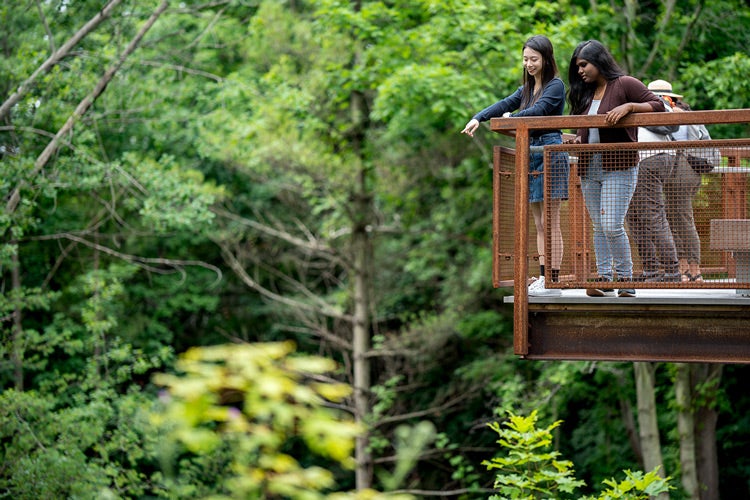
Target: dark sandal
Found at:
x=697, y=277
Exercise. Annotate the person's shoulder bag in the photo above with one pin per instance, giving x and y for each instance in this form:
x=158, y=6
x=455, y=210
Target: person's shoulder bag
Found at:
x=703, y=160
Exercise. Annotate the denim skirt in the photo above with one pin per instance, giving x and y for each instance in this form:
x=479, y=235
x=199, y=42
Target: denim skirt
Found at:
x=559, y=169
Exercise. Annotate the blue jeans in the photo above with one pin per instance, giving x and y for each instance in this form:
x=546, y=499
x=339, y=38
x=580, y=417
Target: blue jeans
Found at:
x=607, y=195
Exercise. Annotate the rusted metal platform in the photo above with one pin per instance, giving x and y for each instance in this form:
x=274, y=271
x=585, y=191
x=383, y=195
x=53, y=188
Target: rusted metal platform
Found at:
x=656, y=325
x=682, y=324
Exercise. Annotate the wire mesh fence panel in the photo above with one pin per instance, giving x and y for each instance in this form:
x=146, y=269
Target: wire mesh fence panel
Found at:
x=505, y=221
x=653, y=215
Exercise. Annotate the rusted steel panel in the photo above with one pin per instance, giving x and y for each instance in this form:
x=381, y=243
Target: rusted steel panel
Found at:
x=496, y=218
x=717, y=199
x=730, y=234
x=673, y=334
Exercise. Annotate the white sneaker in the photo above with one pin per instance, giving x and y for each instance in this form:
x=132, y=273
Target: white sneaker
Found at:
x=538, y=289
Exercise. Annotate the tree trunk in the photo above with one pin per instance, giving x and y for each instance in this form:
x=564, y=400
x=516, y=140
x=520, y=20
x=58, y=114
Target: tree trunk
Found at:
x=705, y=382
x=362, y=220
x=17, y=354
x=686, y=429
x=361, y=337
x=647, y=421
x=626, y=410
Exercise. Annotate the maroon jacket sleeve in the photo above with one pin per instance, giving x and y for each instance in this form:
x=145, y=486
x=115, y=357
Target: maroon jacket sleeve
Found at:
x=636, y=91
x=619, y=91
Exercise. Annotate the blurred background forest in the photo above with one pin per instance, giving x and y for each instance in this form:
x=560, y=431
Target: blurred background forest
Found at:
x=177, y=175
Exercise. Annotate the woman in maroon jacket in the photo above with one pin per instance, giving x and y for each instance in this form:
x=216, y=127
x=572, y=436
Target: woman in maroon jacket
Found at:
x=608, y=179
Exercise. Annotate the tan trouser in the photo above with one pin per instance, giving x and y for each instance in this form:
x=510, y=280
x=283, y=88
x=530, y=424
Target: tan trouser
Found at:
x=679, y=191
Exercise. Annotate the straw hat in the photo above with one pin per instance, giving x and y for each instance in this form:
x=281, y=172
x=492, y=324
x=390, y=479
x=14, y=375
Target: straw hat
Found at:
x=662, y=87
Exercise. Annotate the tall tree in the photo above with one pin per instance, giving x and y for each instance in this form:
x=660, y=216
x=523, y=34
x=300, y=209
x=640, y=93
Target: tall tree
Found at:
x=705, y=379
x=648, y=426
x=686, y=429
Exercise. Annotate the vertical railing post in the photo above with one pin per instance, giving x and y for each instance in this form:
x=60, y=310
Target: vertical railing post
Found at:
x=496, y=216
x=521, y=245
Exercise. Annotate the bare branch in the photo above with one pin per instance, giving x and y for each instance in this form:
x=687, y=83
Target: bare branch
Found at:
x=58, y=55
x=70, y=146
x=321, y=308
x=311, y=244
x=208, y=28
x=46, y=27
x=685, y=38
x=58, y=262
x=145, y=262
x=83, y=106
x=323, y=333
x=436, y=452
x=430, y=411
x=381, y=353
x=184, y=69
x=656, y=47
x=447, y=493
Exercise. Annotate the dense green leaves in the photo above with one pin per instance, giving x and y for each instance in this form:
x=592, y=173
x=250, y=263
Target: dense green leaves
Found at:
x=527, y=470
x=212, y=192
x=256, y=400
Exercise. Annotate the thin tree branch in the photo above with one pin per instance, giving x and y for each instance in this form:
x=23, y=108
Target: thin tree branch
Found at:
x=311, y=244
x=436, y=452
x=146, y=262
x=58, y=55
x=323, y=334
x=46, y=27
x=447, y=493
x=656, y=47
x=83, y=106
x=321, y=308
x=430, y=411
x=58, y=262
x=184, y=69
x=686, y=38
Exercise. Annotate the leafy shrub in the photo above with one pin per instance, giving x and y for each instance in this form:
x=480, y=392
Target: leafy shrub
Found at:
x=529, y=472
x=270, y=410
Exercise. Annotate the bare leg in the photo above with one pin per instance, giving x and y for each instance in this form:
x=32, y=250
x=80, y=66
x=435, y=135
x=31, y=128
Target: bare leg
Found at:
x=684, y=266
x=556, y=252
x=537, y=212
x=695, y=271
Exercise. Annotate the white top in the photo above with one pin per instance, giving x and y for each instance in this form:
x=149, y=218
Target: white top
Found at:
x=594, y=132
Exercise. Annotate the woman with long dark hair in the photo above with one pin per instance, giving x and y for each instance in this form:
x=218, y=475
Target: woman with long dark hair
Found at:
x=608, y=179
x=542, y=94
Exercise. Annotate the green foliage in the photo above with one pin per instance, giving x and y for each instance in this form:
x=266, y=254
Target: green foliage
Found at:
x=728, y=89
x=254, y=400
x=530, y=472
x=253, y=125
x=635, y=486
x=409, y=444
x=100, y=446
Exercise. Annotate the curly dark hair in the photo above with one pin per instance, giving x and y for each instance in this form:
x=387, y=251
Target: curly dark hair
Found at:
x=580, y=93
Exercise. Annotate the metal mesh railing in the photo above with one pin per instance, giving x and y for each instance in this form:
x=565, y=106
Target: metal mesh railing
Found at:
x=665, y=215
